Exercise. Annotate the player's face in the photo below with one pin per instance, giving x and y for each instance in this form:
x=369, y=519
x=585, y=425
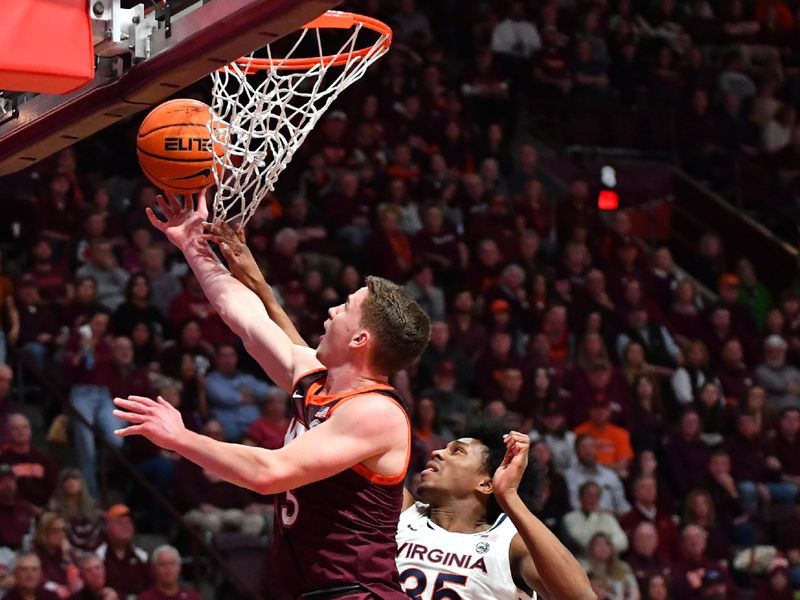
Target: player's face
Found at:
x=341, y=327
x=456, y=470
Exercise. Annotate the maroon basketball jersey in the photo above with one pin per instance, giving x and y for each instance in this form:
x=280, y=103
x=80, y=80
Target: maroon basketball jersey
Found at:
x=341, y=530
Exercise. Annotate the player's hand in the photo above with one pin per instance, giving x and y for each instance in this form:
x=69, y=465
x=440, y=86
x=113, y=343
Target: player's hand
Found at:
x=235, y=251
x=157, y=420
x=184, y=224
x=509, y=474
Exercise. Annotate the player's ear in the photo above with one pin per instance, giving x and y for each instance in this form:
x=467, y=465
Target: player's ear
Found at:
x=360, y=339
x=486, y=485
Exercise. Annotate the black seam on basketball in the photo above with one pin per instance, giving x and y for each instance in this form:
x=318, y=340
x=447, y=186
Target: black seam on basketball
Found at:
x=141, y=135
x=201, y=173
x=162, y=184
x=171, y=159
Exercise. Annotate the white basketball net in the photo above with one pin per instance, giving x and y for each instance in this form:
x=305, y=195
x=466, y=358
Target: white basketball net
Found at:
x=258, y=128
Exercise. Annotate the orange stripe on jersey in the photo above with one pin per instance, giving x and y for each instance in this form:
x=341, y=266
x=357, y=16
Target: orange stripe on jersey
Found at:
x=306, y=374
x=320, y=400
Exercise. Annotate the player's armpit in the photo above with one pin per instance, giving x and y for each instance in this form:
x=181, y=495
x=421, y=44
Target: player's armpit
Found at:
x=408, y=499
x=371, y=430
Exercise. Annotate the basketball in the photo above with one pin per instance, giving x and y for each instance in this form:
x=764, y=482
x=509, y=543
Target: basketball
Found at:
x=174, y=146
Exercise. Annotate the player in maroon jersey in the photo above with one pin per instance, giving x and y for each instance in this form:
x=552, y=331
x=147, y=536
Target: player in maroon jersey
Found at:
x=475, y=482
x=339, y=477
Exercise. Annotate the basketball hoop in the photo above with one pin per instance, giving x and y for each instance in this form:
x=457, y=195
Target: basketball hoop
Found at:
x=261, y=124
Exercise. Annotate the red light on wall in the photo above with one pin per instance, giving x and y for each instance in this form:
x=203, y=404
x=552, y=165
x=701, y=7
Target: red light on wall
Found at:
x=608, y=200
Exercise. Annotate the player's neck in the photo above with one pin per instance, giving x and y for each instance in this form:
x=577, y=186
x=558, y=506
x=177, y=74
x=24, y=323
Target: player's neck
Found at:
x=460, y=517
x=350, y=377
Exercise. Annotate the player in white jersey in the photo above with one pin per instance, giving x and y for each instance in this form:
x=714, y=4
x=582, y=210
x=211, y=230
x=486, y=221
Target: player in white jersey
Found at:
x=472, y=537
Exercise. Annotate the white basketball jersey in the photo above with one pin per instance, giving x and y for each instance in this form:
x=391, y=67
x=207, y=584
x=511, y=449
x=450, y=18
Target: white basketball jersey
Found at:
x=436, y=564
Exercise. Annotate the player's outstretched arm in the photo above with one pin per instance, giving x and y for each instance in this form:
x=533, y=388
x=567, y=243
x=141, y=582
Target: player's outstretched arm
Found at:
x=369, y=428
x=537, y=556
x=238, y=306
x=244, y=268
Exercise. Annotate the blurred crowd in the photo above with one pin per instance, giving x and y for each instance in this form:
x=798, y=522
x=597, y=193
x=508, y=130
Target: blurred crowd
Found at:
x=668, y=421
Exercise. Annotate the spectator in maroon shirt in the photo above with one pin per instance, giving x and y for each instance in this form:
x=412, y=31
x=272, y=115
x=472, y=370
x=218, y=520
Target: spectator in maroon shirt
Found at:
x=214, y=504
x=732, y=372
x=715, y=418
x=437, y=243
x=83, y=303
x=484, y=272
x=452, y=406
x=647, y=414
x=643, y=557
x=36, y=471
x=783, y=448
x=125, y=378
x=28, y=580
x=59, y=217
x=699, y=510
x=50, y=542
x=488, y=368
x=166, y=563
x=137, y=307
x=127, y=571
x=694, y=567
x=51, y=279
x=93, y=574
x=191, y=341
x=347, y=210
x=441, y=350
x=684, y=317
x=748, y=453
x=601, y=383
x=16, y=514
x=193, y=304
x=269, y=430
x=645, y=508
x=38, y=324
x=687, y=455
x=389, y=248
x=466, y=331
x=661, y=279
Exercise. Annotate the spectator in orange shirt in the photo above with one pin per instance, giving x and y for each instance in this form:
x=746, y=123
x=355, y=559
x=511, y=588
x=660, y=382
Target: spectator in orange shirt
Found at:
x=613, y=442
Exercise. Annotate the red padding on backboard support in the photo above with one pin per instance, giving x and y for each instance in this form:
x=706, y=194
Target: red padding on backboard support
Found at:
x=45, y=46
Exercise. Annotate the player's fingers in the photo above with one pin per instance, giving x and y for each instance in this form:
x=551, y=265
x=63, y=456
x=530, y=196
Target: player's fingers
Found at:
x=163, y=402
x=134, y=403
x=210, y=237
x=131, y=407
x=165, y=207
x=189, y=202
x=154, y=220
x=174, y=204
x=202, y=204
x=240, y=233
x=130, y=417
x=130, y=430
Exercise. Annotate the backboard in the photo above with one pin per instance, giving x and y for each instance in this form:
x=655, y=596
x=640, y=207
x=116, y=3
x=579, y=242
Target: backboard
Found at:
x=143, y=57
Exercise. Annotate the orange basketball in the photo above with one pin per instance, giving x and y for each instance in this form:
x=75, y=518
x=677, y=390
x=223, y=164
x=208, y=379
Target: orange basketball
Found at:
x=174, y=146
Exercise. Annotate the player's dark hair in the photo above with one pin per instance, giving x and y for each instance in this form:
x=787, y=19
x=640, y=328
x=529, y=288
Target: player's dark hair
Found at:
x=400, y=327
x=490, y=432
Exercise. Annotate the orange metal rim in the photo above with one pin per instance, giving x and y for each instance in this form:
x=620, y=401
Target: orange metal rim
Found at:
x=332, y=19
